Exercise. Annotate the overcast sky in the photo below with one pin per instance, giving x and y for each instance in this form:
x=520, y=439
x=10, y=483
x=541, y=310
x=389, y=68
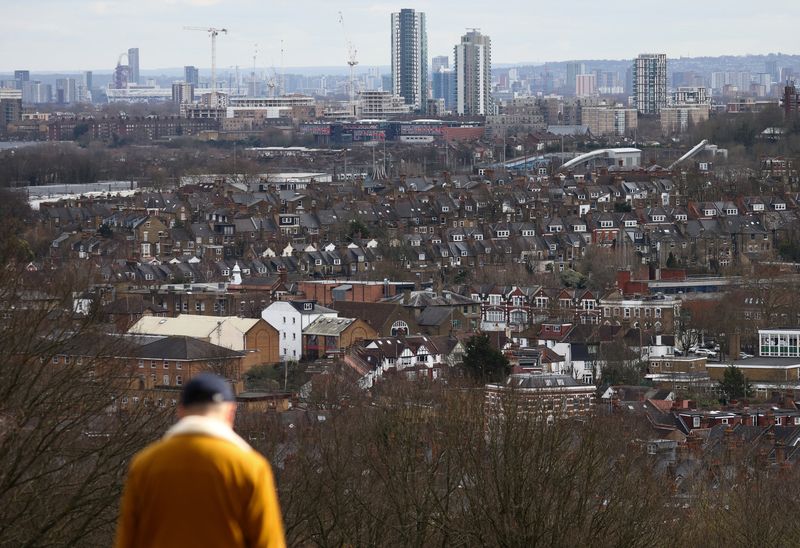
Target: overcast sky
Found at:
x=90, y=34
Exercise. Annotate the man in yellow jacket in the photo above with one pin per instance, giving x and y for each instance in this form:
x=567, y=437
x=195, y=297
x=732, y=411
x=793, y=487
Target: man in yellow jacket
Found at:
x=201, y=484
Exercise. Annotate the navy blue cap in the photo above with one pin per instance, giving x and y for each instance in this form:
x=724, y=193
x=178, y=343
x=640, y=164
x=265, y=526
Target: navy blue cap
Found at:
x=206, y=388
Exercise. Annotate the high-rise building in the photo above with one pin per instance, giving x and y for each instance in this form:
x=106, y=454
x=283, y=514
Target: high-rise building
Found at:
x=410, y=57
x=473, y=67
x=182, y=92
x=650, y=82
x=133, y=64
x=573, y=70
x=438, y=62
x=21, y=76
x=443, y=86
x=36, y=92
x=191, y=75
x=585, y=85
x=66, y=91
x=10, y=107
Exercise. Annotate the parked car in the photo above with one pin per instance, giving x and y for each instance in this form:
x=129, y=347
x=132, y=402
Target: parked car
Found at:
x=706, y=352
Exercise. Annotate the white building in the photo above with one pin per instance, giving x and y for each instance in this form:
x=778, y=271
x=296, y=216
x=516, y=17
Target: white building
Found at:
x=290, y=318
x=650, y=82
x=378, y=104
x=410, y=57
x=473, y=67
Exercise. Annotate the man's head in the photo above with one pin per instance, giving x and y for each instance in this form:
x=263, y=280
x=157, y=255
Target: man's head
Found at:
x=208, y=395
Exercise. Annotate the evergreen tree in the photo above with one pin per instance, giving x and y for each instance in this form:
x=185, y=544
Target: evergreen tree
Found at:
x=483, y=362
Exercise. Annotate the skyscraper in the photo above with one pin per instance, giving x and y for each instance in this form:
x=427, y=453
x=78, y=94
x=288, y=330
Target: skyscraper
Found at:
x=440, y=61
x=650, y=82
x=473, y=67
x=21, y=76
x=410, y=57
x=585, y=85
x=133, y=63
x=573, y=70
x=66, y=91
x=443, y=86
x=191, y=75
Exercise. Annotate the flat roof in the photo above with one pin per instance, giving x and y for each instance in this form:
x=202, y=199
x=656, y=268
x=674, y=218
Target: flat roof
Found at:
x=757, y=362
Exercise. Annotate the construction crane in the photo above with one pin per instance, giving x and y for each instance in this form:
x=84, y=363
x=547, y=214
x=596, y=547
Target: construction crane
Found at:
x=253, y=91
x=212, y=32
x=351, y=59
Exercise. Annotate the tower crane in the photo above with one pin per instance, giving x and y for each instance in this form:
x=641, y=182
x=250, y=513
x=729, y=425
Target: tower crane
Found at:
x=212, y=32
x=351, y=59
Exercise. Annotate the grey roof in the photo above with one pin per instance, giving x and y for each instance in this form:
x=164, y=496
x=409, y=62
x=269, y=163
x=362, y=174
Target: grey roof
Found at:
x=328, y=327
x=184, y=348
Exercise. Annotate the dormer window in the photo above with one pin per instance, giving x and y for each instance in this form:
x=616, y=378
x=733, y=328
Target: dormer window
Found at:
x=337, y=262
x=681, y=217
x=458, y=237
x=318, y=262
x=780, y=206
x=631, y=223
x=308, y=306
x=609, y=224
x=445, y=209
x=709, y=212
x=731, y=211
x=478, y=237
x=656, y=219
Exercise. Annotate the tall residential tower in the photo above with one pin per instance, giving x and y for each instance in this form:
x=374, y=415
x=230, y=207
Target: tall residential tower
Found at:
x=410, y=57
x=650, y=82
x=133, y=63
x=473, y=66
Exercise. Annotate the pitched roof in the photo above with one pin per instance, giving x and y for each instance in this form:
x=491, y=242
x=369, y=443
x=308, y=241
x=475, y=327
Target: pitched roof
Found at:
x=184, y=348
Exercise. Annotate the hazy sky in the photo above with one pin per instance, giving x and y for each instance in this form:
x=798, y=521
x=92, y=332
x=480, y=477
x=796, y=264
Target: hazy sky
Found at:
x=90, y=34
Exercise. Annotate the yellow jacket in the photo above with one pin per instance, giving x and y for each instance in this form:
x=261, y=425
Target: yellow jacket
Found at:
x=201, y=485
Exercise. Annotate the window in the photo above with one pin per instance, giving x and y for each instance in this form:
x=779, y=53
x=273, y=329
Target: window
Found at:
x=55, y=359
x=657, y=313
x=166, y=364
x=166, y=380
x=723, y=421
x=696, y=422
x=495, y=316
x=141, y=364
x=153, y=364
x=178, y=380
x=399, y=327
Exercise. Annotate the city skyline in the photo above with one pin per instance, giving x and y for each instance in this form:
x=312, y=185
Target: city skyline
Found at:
x=90, y=34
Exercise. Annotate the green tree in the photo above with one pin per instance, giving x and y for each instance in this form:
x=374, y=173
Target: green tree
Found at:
x=357, y=229
x=734, y=383
x=483, y=362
